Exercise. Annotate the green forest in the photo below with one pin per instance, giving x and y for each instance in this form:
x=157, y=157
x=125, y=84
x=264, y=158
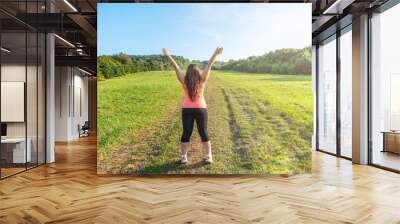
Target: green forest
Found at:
x=283, y=61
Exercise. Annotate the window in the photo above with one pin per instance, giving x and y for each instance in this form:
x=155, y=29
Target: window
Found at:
x=327, y=96
x=385, y=89
x=22, y=87
x=346, y=93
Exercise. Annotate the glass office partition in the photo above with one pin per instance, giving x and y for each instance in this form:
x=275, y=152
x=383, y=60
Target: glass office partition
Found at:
x=23, y=91
x=15, y=151
x=41, y=86
x=385, y=89
x=35, y=50
x=327, y=95
x=346, y=92
x=32, y=96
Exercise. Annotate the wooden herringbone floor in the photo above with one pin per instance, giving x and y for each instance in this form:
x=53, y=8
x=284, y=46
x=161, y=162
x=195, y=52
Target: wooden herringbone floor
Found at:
x=69, y=191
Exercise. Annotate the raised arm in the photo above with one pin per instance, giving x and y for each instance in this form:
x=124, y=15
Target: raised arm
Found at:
x=212, y=60
x=178, y=70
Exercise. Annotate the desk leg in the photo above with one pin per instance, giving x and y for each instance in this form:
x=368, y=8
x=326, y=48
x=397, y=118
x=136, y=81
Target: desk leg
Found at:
x=384, y=143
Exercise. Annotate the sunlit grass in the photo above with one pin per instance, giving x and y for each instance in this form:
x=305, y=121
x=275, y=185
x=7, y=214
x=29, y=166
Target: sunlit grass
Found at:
x=129, y=103
x=139, y=118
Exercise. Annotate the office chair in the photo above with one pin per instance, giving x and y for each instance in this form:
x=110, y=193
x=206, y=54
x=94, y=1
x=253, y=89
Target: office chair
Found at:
x=84, y=130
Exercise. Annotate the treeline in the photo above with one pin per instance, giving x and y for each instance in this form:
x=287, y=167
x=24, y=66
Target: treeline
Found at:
x=122, y=64
x=282, y=61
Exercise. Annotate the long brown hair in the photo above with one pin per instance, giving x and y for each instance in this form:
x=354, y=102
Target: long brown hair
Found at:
x=193, y=80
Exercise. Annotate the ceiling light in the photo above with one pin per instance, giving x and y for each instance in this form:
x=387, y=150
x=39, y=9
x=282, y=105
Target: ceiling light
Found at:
x=79, y=51
x=64, y=40
x=5, y=50
x=338, y=6
x=86, y=72
x=71, y=6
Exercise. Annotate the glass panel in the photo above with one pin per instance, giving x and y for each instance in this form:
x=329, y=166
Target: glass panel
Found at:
x=41, y=98
x=346, y=94
x=32, y=87
x=23, y=89
x=31, y=97
x=327, y=96
x=13, y=87
x=386, y=89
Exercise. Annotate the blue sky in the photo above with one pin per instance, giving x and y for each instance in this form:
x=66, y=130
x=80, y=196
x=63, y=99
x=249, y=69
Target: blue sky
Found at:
x=195, y=30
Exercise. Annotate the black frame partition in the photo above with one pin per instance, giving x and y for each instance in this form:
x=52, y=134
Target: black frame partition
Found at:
x=32, y=46
x=338, y=96
x=341, y=28
x=333, y=37
x=1, y=45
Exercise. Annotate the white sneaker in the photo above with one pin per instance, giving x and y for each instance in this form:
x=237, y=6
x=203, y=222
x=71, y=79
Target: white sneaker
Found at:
x=183, y=159
x=208, y=159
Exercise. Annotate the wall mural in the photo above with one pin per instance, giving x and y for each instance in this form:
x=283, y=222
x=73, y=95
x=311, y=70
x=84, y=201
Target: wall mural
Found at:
x=204, y=88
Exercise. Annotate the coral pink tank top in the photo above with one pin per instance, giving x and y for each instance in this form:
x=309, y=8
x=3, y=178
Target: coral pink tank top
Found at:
x=200, y=102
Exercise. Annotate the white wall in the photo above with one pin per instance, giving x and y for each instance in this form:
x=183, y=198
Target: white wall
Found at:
x=80, y=88
x=12, y=73
x=360, y=90
x=70, y=83
x=62, y=82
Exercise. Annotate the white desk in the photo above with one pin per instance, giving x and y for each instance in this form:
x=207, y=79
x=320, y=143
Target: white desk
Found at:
x=19, y=155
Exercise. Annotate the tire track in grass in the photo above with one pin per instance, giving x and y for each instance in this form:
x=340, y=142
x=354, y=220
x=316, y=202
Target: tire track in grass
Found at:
x=262, y=137
x=259, y=147
x=224, y=160
x=241, y=147
x=277, y=142
x=291, y=137
x=265, y=146
x=283, y=130
x=234, y=127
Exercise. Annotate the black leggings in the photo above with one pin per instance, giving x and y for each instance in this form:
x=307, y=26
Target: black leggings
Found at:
x=189, y=115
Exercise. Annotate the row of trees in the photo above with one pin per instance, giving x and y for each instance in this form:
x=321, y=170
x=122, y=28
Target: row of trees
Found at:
x=283, y=61
x=122, y=64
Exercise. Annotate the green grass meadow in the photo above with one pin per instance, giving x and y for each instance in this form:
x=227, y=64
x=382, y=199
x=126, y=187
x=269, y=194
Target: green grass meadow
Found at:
x=258, y=124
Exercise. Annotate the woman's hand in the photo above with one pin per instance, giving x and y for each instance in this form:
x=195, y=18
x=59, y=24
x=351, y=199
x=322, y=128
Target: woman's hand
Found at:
x=206, y=72
x=175, y=65
x=218, y=51
x=165, y=51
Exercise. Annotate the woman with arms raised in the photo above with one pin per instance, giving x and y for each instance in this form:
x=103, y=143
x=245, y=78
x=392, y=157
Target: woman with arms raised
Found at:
x=194, y=107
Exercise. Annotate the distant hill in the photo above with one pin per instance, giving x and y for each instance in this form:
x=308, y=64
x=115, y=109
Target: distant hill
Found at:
x=282, y=61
